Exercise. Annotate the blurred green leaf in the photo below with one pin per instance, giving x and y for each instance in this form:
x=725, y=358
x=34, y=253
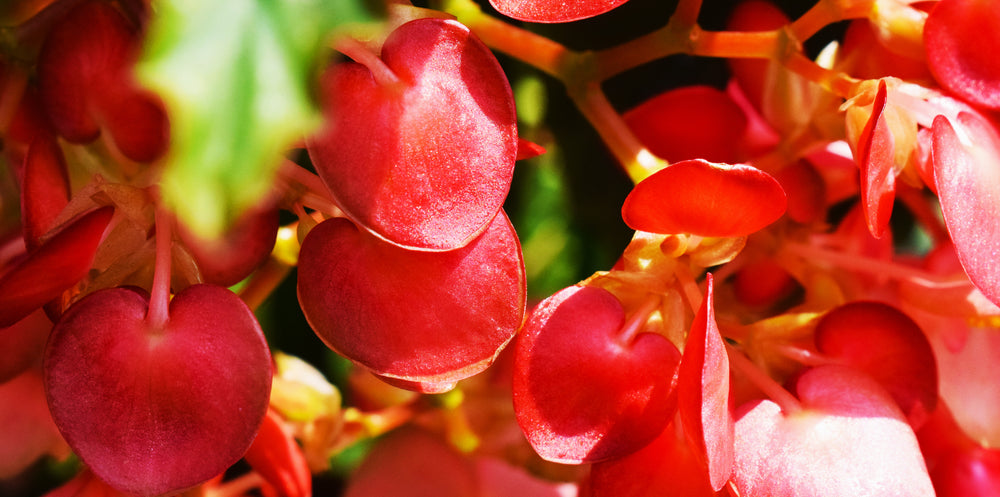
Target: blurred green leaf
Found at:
x=236, y=78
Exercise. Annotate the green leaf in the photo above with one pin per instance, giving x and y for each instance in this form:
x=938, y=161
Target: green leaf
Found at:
x=236, y=77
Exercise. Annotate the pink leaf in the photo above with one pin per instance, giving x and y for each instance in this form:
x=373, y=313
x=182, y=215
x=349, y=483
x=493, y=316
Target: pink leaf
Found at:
x=850, y=439
x=967, y=175
x=703, y=393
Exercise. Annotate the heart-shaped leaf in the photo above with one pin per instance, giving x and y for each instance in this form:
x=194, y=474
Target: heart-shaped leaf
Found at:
x=850, y=439
x=426, y=163
x=885, y=343
x=582, y=394
x=153, y=411
x=703, y=393
x=967, y=175
x=958, y=35
x=551, y=11
x=705, y=199
x=420, y=317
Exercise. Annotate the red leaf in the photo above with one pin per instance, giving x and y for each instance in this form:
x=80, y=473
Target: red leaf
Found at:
x=277, y=457
x=420, y=317
x=967, y=175
x=552, y=11
x=56, y=266
x=580, y=394
x=876, y=158
x=666, y=467
x=885, y=343
x=45, y=189
x=426, y=164
x=959, y=37
x=157, y=410
x=703, y=393
x=706, y=199
x=672, y=125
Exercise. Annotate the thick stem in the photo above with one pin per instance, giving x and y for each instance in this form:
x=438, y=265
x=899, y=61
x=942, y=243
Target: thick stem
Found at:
x=263, y=282
x=637, y=162
x=159, y=298
x=530, y=48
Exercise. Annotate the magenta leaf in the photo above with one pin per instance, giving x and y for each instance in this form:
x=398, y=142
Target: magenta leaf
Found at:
x=705, y=199
x=967, y=175
x=158, y=410
x=958, y=37
x=876, y=158
x=580, y=393
x=52, y=269
x=703, y=393
x=428, y=162
x=552, y=11
x=850, y=439
x=420, y=317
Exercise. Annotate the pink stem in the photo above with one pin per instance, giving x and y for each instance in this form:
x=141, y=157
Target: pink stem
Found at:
x=637, y=321
x=742, y=364
x=159, y=299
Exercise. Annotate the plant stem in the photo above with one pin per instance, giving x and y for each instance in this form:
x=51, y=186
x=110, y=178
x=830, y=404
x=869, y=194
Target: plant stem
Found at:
x=159, y=299
x=637, y=321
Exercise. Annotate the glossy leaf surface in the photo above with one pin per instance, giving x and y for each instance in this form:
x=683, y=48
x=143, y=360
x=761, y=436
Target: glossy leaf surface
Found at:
x=703, y=393
x=153, y=411
x=705, y=199
x=958, y=36
x=425, y=164
x=876, y=157
x=672, y=125
x=850, y=439
x=548, y=11
x=580, y=393
x=967, y=175
x=887, y=345
x=420, y=317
